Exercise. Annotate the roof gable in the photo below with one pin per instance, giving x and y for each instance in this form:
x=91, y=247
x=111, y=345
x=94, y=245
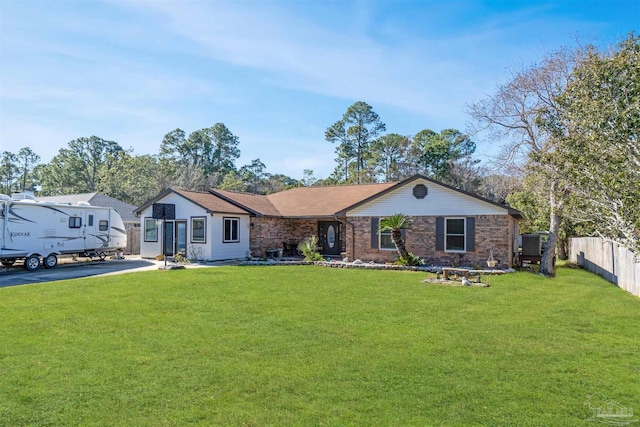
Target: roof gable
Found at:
x=446, y=194
x=209, y=202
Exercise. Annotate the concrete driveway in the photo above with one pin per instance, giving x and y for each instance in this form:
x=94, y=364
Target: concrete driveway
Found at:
x=19, y=276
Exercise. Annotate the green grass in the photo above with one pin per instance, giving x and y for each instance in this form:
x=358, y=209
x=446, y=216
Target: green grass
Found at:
x=259, y=346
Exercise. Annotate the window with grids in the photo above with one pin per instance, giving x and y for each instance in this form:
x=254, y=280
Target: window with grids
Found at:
x=231, y=230
x=75, y=222
x=455, y=234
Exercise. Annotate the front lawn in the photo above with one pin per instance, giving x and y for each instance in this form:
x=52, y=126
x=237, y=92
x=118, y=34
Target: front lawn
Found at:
x=306, y=345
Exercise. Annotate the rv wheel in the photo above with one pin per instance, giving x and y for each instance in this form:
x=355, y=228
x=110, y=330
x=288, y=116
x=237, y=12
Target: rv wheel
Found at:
x=51, y=261
x=32, y=262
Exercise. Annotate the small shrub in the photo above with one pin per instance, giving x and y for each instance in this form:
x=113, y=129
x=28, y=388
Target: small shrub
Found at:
x=181, y=259
x=411, y=260
x=309, y=248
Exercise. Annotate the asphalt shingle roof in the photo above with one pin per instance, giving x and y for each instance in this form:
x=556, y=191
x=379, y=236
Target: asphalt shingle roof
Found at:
x=213, y=204
x=306, y=201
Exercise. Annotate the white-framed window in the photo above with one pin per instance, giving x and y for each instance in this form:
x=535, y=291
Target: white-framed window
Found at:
x=231, y=231
x=75, y=222
x=150, y=230
x=198, y=229
x=455, y=234
x=103, y=225
x=385, y=242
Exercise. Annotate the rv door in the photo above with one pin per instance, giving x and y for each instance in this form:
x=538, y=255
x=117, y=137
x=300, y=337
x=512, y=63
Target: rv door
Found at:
x=90, y=240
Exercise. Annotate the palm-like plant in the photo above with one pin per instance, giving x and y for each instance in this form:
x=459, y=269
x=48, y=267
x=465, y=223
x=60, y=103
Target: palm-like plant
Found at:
x=308, y=247
x=396, y=223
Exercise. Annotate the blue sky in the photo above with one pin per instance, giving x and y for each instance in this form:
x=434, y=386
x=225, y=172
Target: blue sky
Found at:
x=276, y=73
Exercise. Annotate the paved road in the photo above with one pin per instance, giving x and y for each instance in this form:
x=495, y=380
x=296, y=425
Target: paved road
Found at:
x=19, y=276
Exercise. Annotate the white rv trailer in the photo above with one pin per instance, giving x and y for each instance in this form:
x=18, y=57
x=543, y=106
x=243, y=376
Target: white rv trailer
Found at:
x=36, y=231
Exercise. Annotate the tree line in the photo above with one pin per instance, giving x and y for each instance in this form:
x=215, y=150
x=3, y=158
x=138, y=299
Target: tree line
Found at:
x=207, y=158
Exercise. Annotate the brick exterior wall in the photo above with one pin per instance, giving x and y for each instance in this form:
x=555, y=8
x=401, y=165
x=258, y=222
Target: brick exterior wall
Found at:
x=492, y=233
x=270, y=233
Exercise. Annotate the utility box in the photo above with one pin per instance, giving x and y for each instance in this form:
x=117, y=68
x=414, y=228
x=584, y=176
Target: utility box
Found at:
x=531, y=249
x=531, y=245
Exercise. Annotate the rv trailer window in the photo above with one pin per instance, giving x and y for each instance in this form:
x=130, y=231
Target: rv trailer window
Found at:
x=90, y=221
x=103, y=225
x=75, y=222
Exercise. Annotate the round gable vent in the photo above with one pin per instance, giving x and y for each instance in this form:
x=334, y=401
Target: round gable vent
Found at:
x=420, y=191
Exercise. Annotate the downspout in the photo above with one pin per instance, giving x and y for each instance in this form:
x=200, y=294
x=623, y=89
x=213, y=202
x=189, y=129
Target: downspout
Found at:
x=353, y=235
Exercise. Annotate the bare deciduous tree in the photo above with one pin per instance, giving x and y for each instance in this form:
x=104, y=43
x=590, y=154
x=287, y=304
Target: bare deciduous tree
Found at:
x=512, y=115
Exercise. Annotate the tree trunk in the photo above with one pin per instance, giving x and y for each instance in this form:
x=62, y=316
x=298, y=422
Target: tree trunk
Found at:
x=547, y=264
x=396, y=236
x=563, y=244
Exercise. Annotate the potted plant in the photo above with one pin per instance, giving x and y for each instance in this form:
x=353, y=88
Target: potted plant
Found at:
x=491, y=262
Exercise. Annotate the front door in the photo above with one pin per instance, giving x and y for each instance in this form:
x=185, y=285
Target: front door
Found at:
x=181, y=238
x=329, y=237
x=168, y=238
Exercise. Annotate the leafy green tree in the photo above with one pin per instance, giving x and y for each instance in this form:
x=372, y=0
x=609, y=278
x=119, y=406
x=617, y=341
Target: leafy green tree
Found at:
x=200, y=160
x=277, y=182
x=597, y=124
x=389, y=156
x=75, y=169
x=354, y=133
x=232, y=181
x=439, y=152
x=136, y=180
x=27, y=160
x=224, y=151
x=9, y=172
x=253, y=174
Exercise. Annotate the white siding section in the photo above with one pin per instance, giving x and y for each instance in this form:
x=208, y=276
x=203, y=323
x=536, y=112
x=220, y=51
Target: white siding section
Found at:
x=213, y=249
x=232, y=250
x=440, y=201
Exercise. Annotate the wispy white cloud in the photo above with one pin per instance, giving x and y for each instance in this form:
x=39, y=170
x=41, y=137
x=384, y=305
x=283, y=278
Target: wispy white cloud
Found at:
x=430, y=76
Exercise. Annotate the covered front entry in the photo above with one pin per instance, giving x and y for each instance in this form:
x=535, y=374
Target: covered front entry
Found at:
x=329, y=237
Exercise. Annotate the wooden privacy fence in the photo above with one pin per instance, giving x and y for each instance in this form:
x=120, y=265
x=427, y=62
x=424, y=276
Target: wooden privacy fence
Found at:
x=133, y=241
x=609, y=260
